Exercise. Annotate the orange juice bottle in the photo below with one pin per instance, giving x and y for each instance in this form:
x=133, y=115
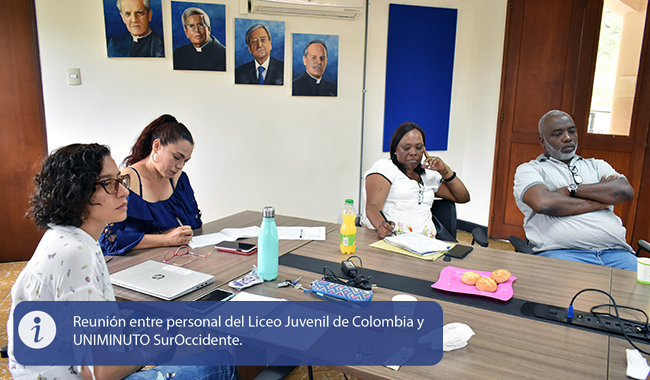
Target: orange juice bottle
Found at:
x=348, y=228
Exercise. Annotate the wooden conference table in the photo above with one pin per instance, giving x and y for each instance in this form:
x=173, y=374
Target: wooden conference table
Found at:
x=505, y=345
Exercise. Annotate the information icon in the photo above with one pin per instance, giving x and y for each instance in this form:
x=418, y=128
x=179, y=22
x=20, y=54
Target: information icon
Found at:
x=37, y=329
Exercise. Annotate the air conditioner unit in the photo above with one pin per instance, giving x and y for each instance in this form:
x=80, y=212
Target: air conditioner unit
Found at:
x=342, y=9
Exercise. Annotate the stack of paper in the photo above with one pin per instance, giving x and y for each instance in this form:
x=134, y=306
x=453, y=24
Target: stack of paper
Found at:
x=386, y=246
x=227, y=234
x=418, y=243
x=232, y=234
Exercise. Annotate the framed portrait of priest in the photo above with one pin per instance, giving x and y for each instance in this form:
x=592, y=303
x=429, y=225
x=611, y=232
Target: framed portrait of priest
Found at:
x=198, y=36
x=134, y=28
x=315, y=65
x=259, y=52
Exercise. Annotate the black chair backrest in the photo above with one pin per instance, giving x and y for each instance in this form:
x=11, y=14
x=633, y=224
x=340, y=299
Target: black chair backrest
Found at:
x=444, y=211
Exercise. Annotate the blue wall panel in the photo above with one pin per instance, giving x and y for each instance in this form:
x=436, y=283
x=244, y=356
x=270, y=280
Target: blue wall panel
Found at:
x=419, y=71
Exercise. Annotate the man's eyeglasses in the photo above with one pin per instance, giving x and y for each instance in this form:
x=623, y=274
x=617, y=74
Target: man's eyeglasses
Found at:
x=183, y=250
x=576, y=177
x=111, y=185
x=195, y=27
x=255, y=41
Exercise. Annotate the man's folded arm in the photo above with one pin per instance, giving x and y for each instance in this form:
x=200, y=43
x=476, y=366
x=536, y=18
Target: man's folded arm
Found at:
x=559, y=202
x=610, y=190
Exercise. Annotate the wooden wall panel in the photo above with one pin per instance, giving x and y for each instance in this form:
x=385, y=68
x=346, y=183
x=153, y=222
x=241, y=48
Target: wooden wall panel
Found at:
x=22, y=127
x=542, y=60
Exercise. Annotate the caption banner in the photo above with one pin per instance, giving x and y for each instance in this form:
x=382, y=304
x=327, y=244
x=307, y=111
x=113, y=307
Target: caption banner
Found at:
x=228, y=333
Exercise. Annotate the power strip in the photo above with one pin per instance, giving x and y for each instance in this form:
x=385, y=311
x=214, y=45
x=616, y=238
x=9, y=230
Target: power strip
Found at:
x=607, y=324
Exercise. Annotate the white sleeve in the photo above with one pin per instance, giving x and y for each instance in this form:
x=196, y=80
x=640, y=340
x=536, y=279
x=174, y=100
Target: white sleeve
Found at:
x=384, y=167
x=604, y=169
x=526, y=176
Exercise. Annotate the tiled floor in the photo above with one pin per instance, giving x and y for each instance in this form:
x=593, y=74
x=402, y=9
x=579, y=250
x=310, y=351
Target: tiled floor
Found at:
x=10, y=271
x=8, y=274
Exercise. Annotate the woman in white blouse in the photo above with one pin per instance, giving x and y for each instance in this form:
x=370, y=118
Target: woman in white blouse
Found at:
x=78, y=191
x=403, y=187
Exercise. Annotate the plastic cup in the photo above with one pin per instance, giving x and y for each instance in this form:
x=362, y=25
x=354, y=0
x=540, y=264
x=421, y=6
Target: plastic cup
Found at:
x=404, y=305
x=643, y=270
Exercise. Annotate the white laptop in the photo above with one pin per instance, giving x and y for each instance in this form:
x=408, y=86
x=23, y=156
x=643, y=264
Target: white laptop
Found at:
x=161, y=280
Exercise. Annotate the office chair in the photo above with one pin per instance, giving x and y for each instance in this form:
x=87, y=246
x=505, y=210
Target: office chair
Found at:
x=446, y=222
x=643, y=246
x=523, y=247
x=479, y=237
x=520, y=245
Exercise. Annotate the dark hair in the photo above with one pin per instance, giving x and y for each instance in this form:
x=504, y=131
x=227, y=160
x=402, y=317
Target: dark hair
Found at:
x=402, y=130
x=166, y=129
x=66, y=184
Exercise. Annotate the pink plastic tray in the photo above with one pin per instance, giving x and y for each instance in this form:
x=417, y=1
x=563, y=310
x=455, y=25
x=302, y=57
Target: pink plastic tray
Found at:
x=450, y=281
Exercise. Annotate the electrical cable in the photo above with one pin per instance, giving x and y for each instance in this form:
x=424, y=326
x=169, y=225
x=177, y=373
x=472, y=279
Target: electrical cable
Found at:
x=618, y=317
x=360, y=281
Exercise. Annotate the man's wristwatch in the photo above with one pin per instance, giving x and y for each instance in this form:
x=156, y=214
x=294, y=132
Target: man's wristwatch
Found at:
x=573, y=189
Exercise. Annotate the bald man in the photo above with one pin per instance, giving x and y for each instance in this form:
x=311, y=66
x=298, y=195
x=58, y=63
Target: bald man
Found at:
x=568, y=201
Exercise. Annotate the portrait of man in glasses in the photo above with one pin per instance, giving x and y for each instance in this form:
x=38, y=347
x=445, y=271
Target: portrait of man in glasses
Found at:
x=264, y=68
x=204, y=51
x=568, y=201
x=139, y=39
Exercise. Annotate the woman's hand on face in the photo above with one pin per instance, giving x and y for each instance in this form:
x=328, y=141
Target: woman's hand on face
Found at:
x=179, y=235
x=385, y=229
x=435, y=163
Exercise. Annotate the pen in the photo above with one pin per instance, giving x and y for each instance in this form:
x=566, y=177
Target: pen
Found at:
x=384, y=216
x=178, y=221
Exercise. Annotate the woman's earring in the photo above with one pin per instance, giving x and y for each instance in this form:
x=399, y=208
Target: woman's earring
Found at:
x=154, y=158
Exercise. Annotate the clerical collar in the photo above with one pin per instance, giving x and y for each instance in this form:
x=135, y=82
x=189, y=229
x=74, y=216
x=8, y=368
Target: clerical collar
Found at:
x=312, y=77
x=200, y=49
x=136, y=38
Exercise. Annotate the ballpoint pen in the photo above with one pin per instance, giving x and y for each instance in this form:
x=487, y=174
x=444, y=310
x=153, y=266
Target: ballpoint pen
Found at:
x=384, y=216
x=178, y=221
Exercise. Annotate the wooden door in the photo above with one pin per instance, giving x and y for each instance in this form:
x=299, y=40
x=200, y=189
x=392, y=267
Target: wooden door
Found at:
x=22, y=127
x=549, y=61
x=641, y=119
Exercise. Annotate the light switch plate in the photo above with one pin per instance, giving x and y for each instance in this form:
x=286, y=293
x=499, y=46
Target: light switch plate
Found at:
x=74, y=76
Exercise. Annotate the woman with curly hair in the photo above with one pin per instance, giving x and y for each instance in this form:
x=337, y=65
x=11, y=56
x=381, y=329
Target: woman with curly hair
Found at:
x=162, y=207
x=78, y=190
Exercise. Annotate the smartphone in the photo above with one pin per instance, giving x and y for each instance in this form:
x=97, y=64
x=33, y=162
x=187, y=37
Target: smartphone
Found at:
x=459, y=251
x=201, y=306
x=236, y=247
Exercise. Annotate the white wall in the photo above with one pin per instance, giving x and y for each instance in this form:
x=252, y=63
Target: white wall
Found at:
x=475, y=94
x=255, y=145
x=258, y=146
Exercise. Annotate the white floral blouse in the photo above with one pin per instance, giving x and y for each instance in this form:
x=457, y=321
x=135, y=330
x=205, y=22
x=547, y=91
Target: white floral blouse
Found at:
x=68, y=265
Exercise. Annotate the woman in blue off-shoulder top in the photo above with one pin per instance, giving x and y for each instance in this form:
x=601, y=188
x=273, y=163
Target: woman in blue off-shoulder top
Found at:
x=162, y=208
